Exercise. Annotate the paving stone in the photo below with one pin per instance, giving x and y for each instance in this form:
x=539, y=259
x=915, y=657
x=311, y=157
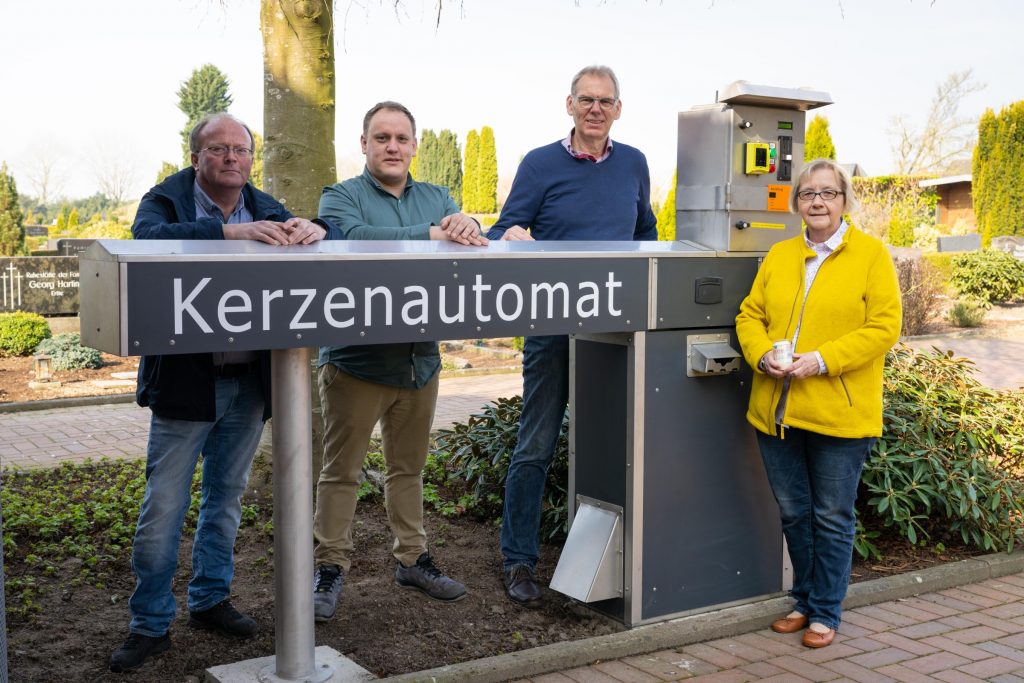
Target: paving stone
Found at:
x=1007, y=678
x=856, y=617
x=763, y=669
x=987, y=668
x=730, y=676
x=621, y=671
x=1016, y=640
x=956, y=676
x=954, y=604
x=873, y=660
x=976, y=634
x=798, y=666
x=713, y=655
x=780, y=644
x=1007, y=611
x=552, y=678
x=973, y=598
x=903, y=608
x=827, y=654
x=588, y=674
x=947, y=645
x=904, y=643
x=866, y=644
x=928, y=628
x=685, y=662
x=887, y=616
x=661, y=669
x=1002, y=650
x=936, y=662
x=1002, y=624
x=987, y=592
x=856, y=672
x=739, y=649
x=902, y=673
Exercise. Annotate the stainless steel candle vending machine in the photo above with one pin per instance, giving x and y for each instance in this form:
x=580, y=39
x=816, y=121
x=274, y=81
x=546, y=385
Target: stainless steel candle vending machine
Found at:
x=670, y=509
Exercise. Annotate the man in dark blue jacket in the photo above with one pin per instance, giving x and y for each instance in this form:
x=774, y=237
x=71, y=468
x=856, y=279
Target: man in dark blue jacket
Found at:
x=209, y=403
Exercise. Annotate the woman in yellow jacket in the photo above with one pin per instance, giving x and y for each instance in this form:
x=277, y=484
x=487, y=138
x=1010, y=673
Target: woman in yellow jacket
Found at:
x=832, y=293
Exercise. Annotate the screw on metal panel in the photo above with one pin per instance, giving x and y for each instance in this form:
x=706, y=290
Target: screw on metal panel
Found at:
x=455, y=275
x=657, y=389
x=661, y=320
x=422, y=331
x=137, y=343
x=231, y=340
x=298, y=336
x=708, y=317
x=477, y=328
x=455, y=263
x=654, y=589
x=531, y=326
x=172, y=342
x=627, y=322
x=580, y=324
x=362, y=334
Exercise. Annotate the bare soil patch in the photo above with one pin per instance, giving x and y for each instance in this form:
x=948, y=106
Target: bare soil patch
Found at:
x=383, y=628
x=17, y=371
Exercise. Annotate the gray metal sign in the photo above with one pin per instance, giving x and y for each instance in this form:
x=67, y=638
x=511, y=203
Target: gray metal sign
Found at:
x=188, y=297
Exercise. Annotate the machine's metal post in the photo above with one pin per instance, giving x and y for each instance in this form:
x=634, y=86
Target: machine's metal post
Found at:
x=293, y=519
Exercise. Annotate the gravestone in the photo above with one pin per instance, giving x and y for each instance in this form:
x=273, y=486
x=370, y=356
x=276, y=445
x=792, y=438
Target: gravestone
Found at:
x=971, y=242
x=47, y=285
x=1010, y=244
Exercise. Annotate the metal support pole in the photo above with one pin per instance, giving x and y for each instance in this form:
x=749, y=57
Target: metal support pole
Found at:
x=293, y=520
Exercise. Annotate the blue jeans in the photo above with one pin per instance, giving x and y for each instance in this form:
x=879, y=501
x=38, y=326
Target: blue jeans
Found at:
x=814, y=478
x=545, y=394
x=227, y=445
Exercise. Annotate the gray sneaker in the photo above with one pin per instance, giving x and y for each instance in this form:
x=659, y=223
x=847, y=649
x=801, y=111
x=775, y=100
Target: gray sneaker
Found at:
x=424, y=576
x=327, y=582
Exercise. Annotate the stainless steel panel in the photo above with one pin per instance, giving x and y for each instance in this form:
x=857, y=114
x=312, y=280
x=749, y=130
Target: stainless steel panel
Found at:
x=101, y=312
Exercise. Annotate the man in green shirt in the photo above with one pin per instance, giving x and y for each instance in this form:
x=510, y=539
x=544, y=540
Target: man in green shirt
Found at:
x=393, y=383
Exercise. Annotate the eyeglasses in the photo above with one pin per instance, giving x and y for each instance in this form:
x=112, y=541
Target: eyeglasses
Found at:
x=585, y=103
x=222, y=150
x=809, y=195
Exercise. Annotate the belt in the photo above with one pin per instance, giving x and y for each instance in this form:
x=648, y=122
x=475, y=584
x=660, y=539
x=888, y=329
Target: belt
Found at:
x=229, y=370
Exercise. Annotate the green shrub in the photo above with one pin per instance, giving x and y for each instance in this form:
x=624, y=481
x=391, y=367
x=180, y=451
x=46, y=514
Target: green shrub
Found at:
x=21, y=332
x=949, y=463
x=517, y=343
x=67, y=353
x=477, y=452
x=920, y=289
x=991, y=276
x=966, y=313
x=943, y=263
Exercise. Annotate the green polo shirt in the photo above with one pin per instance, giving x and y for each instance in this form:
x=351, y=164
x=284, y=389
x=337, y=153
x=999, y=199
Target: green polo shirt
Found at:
x=363, y=210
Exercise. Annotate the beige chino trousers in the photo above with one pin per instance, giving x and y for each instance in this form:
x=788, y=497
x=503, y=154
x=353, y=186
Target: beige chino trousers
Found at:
x=351, y=408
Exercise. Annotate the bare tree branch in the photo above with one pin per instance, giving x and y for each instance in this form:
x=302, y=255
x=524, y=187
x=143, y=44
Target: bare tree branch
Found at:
x=945, y=136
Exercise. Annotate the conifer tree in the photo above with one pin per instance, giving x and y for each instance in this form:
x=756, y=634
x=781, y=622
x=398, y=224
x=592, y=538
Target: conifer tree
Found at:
x=12, y=221
x=166, y=169
x=256, y=174
x=72, y=223
x=818, y=141
x=451, y=164
x=471, y=175
x=427, y=162
x=414, y=164
x=205, y=92
x=487, y=173
x=997, y=173
x=667, y=214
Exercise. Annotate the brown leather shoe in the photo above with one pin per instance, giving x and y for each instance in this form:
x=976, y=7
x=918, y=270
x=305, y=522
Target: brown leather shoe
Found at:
x=815, y=639
x=789, y=624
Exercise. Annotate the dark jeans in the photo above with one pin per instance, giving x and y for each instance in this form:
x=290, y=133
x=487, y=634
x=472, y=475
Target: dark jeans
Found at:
x=814, y=478
x=545, y=394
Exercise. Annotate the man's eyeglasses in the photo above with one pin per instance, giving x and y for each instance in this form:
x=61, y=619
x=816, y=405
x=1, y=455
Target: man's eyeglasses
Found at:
x=809, y=195
x=222, y=150
x=585, y=103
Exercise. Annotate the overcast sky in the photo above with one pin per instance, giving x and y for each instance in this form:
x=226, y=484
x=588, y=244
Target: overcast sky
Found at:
x=88, y=81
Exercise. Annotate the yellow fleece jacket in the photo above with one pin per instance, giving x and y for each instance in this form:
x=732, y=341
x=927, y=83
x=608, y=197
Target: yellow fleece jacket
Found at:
x=852, y=317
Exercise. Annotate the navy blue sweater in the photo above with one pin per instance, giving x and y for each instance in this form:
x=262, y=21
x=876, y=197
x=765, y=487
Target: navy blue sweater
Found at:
x=560, y=197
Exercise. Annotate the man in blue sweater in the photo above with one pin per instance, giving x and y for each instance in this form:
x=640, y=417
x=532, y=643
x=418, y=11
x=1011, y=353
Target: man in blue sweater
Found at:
x=584, y=187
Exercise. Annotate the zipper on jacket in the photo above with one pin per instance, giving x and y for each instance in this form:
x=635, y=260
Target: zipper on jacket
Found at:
x=849, y=399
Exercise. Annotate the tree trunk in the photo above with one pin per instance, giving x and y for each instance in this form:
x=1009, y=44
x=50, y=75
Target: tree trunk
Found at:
x=298, y=101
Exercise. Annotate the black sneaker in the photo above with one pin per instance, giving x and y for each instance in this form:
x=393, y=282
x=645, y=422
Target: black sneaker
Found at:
x=136, y=650
x=224, y=618
x=426, y=577
x=521, y=586
x=327, y=582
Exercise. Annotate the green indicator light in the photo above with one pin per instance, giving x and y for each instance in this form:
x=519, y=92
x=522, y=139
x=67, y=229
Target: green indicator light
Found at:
x=785, y=125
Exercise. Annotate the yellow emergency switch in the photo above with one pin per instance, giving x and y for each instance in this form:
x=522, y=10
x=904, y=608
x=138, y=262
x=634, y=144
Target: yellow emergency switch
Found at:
x=757, y=158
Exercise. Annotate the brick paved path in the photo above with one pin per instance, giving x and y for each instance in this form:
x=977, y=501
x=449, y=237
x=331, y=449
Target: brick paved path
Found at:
x=45, y=438
x=961, y=635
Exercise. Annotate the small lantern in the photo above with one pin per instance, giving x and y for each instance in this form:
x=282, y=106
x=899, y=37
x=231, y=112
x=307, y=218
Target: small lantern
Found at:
x=42, y=367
